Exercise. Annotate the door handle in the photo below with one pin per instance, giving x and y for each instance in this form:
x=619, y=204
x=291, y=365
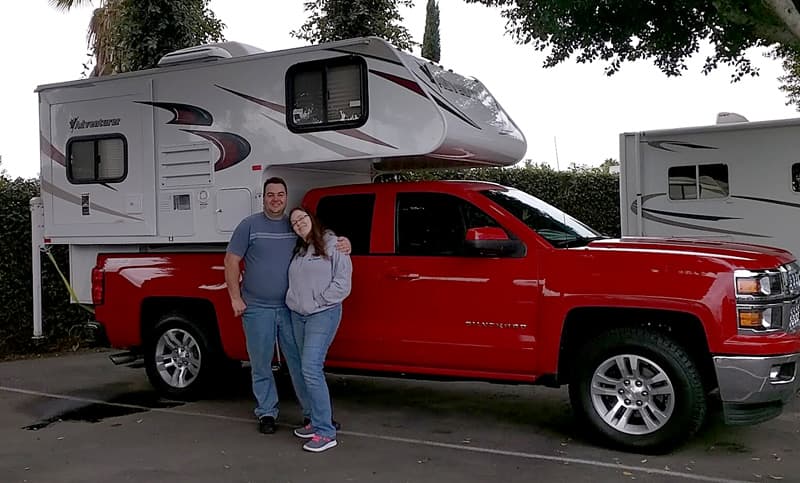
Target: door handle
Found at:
x=404, y=276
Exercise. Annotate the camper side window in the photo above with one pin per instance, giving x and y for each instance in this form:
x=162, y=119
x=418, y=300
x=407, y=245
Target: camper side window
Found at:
x=326, y=94
x=97, y=159
x=705, y=181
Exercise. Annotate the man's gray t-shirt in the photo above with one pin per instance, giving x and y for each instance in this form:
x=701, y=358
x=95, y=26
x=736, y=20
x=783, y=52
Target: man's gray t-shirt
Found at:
x=266, y=246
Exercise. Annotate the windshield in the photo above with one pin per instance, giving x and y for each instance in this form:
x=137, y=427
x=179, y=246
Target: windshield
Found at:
x=555, y=226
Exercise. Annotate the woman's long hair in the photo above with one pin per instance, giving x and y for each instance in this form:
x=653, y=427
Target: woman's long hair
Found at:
x=316, y=236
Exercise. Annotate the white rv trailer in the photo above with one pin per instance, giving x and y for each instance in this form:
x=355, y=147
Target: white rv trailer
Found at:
x=172, y=158
x=735, y=180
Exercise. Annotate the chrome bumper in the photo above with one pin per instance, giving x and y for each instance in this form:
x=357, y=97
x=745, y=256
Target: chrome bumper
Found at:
x=754, y=389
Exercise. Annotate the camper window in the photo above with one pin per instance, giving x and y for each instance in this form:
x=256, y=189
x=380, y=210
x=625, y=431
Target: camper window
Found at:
x=97, y=159
x=796, y=177
x=707, y=181
x=326, y=94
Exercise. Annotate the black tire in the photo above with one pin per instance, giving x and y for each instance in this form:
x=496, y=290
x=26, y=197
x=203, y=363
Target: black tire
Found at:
x=179, y=360
x=663, y=402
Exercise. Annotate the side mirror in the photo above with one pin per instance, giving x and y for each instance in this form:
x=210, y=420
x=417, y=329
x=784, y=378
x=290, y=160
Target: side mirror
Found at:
x=490, y=241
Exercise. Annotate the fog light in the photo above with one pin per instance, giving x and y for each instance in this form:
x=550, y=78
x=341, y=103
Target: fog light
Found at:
x=782, y=372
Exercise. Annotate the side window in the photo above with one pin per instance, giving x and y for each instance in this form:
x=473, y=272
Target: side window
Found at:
x=706, y=181
x=97, y=159
x=435, y=224
x=326, y=94
x=350, y=216
x=713, y=181
x=796, y=177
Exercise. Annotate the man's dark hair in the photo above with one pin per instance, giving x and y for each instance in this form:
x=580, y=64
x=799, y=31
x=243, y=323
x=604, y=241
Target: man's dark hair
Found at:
x=275, y=180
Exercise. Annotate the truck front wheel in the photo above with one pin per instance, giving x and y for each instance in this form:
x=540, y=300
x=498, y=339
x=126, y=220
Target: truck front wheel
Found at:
x=178, y=359
x=639, y=390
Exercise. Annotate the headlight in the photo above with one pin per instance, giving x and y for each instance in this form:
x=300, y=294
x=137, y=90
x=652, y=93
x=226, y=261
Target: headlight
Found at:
x=754, y=285
x=767, y=300
x=757, y=285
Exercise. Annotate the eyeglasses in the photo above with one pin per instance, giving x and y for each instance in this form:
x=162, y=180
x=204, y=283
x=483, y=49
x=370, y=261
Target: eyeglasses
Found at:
x=297, y=221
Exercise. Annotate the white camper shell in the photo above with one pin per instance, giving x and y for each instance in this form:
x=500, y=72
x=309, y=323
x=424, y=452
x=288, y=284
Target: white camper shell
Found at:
x=177, y=155
x=736, y=180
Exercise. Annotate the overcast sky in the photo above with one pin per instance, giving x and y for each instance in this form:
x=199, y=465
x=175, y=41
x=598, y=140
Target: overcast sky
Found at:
x=577, y=105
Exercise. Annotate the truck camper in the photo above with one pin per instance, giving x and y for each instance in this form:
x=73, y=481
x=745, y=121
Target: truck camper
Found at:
x=175, y=156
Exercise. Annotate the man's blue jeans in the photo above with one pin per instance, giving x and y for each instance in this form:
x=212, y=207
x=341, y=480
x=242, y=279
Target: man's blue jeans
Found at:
x=315, y=333
x=260, y=327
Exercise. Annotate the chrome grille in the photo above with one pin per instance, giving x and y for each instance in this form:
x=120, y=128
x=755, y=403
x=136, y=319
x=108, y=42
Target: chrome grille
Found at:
x=792, y=278
x=794, y=317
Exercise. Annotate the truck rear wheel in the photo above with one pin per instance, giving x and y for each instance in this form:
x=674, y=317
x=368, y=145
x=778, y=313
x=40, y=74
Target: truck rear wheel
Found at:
x=639, y=390
x=178, y=357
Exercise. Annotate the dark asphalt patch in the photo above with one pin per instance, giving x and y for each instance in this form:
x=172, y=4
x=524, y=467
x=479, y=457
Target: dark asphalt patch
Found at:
x=120, y=405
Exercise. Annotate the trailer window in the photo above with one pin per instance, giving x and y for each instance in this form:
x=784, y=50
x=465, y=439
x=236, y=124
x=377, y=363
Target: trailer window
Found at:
x=326, y=94
x=706, y=181
x=97, y=159
x=350, y=216
x=796, y=177
x=713, y=181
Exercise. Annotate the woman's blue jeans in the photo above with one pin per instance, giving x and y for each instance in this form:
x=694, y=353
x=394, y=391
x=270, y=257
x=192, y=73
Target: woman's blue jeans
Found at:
x=314, y=334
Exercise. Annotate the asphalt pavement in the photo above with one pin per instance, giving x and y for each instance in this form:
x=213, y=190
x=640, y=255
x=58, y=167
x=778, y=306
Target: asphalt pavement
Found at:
x=79, y=418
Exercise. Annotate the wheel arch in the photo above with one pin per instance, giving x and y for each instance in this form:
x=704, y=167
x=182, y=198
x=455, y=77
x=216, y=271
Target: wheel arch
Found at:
x=586, y=323
x=198, y=311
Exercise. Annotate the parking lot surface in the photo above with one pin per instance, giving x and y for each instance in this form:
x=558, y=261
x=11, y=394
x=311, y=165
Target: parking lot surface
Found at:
x=79, y=418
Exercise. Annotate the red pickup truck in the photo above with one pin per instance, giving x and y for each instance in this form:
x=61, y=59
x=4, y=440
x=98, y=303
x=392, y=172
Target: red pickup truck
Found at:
x=478, y=281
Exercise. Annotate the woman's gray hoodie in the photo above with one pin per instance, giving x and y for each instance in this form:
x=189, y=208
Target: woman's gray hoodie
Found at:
x=317, y=283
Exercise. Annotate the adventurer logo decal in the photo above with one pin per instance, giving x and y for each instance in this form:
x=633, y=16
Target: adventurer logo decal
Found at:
x=78, y=123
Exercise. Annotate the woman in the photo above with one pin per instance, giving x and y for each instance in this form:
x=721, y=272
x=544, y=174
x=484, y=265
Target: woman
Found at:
x=319, y=280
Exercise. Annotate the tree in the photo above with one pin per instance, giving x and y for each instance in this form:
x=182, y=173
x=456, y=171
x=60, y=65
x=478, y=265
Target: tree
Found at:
x=331, y=20
x=666, y=31
x=790, y=81
x=430, y=41
x=98, y=37
x=606, y=165
x=127, y=35
x=147, y=29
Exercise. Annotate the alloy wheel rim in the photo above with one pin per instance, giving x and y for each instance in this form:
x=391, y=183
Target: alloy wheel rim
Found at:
x=632, y=394
x=178, y=358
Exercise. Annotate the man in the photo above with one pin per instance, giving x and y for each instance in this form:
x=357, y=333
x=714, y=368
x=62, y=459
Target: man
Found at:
x=266, y=242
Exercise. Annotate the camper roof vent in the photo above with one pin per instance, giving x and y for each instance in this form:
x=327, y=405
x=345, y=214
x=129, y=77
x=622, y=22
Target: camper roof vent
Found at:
x=208, y=52
x=730, y=117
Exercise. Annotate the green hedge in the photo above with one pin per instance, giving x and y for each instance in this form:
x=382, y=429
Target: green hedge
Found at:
x=591, y=196
x=16, y=306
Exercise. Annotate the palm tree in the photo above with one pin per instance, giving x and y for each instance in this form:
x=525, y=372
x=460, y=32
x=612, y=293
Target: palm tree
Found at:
x=98, y=36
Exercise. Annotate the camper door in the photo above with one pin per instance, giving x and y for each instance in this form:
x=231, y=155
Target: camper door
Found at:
x=100, y=178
